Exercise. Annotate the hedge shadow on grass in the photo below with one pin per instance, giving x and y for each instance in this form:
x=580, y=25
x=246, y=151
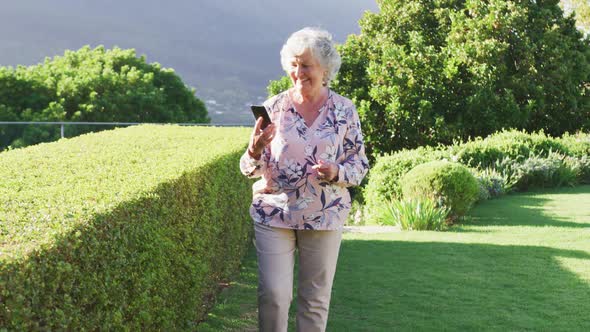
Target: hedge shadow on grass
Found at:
x=236, y=307
x=421, y=286
x=149, y=264
x=526, y=209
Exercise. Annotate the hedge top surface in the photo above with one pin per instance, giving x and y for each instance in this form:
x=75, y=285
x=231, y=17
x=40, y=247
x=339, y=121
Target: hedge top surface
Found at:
x=49, y=189
x=438, y=171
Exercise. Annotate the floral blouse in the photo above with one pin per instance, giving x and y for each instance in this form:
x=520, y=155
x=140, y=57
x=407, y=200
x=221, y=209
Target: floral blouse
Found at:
x=290, y=194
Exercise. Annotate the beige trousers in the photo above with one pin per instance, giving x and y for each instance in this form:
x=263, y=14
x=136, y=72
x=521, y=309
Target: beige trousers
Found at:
x=318, y=254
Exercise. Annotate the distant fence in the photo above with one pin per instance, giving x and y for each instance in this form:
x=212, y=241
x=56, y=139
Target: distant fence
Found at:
x=62, y=124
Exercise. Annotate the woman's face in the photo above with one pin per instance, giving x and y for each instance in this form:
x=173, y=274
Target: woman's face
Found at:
x=306, y=74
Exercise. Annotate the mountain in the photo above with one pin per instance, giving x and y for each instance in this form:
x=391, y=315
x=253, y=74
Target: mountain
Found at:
x=228, y=50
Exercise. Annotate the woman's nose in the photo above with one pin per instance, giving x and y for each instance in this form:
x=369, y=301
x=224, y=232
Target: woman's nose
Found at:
x=298, y=70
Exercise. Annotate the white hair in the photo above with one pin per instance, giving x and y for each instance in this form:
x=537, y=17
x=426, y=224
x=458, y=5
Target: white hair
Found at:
x=321, y=46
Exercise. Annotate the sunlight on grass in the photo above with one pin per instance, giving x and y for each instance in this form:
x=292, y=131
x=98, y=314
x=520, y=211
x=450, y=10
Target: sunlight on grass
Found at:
x=580, y=267
x=521, y=262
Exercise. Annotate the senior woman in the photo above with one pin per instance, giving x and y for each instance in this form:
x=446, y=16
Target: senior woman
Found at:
x=307, y=157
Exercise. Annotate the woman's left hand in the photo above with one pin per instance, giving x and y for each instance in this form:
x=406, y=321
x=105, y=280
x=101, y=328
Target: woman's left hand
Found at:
x=327, y=170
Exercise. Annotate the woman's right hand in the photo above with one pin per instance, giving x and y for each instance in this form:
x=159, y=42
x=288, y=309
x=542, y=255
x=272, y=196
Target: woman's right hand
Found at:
x=260, y=138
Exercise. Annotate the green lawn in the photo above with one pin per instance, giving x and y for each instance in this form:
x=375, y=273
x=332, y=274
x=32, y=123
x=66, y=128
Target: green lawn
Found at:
x=521, y=262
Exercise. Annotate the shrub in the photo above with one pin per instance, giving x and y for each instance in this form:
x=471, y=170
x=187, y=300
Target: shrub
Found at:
x=578, y=145
x=484, y=192
x=130, y=229
x=427, y=72
x=553, y=170
x=92, y=85
x=384, y=179
x=278, y=86
x=513, y=144
x=581, y=167
x=497, y=160
x=449, y=184
x=510, y=170
x=419, y=215
x=491, y=184
x=545, y=172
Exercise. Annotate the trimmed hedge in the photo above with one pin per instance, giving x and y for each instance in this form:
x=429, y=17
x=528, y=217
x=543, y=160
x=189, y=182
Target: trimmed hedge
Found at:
x=507, y=147
x=448, y=184
x=130, y=229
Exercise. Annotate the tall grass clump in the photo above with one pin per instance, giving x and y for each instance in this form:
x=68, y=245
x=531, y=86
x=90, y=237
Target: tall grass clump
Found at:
x=418, y=214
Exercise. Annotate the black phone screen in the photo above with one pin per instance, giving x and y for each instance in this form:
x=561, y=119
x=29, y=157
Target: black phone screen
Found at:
x=260, y=111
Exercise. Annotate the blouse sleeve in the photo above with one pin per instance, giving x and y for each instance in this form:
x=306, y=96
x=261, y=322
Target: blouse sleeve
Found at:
x=253, y=168
x=355, y=165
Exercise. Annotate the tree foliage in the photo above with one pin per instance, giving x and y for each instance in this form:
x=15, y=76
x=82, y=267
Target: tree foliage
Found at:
x=581, y=10
x=424, y=72
x=94, y=85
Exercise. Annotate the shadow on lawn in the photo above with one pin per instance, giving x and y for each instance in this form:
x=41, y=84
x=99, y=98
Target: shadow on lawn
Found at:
x=236, y=308
x=408, y=286
x=529, y=209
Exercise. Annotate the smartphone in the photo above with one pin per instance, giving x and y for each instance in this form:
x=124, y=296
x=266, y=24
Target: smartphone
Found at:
x=260, y=111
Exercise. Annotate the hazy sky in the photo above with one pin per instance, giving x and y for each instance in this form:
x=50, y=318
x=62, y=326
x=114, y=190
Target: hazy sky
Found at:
x=227, y=49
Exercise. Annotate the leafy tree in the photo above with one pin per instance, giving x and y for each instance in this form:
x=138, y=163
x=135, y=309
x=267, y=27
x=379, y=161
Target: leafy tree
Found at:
x=424, y=72
x=581, y=8
x=282, y=84
x=94, y=85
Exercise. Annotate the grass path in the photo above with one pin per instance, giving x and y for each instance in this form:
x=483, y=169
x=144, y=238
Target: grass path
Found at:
x=521, y=262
